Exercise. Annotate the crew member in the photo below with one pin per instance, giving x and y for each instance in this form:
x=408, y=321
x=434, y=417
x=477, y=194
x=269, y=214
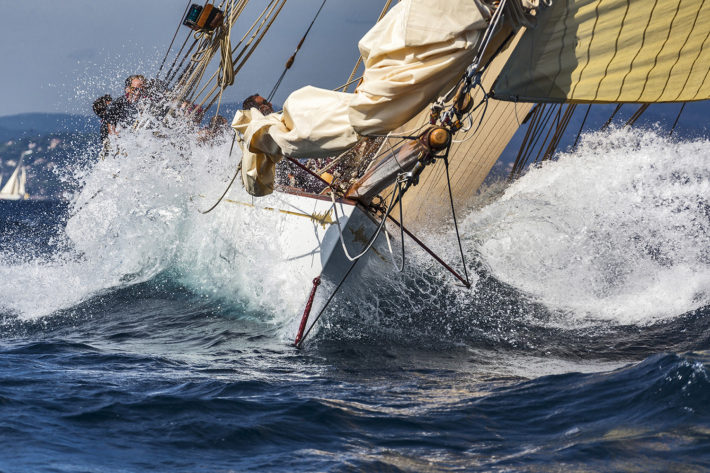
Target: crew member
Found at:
x=258, y=102
x=101, y=106
x=124, y=109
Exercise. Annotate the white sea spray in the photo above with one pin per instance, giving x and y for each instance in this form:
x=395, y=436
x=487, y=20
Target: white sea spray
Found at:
x=618, y=229
x=137, y=215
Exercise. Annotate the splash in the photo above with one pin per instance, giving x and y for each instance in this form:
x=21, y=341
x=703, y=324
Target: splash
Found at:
x=617, y=230
x=137, y=215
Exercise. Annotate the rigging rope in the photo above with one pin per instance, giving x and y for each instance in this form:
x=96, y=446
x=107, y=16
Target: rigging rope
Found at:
x=300, y=339
x=206, y=45
x=453, y=214
x=559, y=131
x=401, y=240
x=359, y=59
x=239, y=168
x=611, y=118
x=173, y=40
x=172, y=73
x=677, y=118
x=244, y=55
x=431, y=253
x=290, y=60
x=541, y=117
x=576, y=140
x=532, y=118
x=396, y=196
x=345, y=86
x=637, y=114
x=226, y=74
x=233, y=15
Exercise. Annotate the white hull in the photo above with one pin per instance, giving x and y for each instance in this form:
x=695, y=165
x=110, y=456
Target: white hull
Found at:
x=308, y=225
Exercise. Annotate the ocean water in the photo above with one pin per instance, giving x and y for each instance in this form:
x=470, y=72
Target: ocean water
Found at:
x=137, y=334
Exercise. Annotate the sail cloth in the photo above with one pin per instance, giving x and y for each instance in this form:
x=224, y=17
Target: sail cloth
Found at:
x=408, y=60
x=590, y=51
x=473, y=153
x=14, y=188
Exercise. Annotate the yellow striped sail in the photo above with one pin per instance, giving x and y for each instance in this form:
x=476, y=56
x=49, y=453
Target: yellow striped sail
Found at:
x=590, y=51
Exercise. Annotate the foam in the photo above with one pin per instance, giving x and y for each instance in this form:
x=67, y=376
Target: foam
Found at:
x=616, y=230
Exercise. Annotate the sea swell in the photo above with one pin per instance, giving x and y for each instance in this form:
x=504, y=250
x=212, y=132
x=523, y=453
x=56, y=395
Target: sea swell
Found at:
x=256, y=406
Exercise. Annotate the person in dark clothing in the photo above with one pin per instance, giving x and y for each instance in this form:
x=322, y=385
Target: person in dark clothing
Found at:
x=101, y=106
x=124, y=110
x=218, y=127
x=258, y=102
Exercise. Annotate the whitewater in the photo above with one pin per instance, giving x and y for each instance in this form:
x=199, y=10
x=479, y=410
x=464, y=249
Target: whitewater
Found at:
x=616, y=230
x=139, y=334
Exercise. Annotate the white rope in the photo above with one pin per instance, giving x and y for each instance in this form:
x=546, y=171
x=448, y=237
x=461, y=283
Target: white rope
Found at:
x=395, y=199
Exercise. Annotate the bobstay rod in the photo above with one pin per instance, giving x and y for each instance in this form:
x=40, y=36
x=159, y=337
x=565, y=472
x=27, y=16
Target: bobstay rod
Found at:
x=307, y=312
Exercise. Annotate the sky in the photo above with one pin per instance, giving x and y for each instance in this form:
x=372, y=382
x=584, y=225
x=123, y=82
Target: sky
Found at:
x=59, y=55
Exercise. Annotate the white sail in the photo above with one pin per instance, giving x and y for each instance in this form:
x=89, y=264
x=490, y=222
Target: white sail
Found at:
x=23, y=179
x=14, y=188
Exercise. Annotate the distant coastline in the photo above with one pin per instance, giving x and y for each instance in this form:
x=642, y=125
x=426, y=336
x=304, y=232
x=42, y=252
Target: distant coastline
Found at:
x=56, y=141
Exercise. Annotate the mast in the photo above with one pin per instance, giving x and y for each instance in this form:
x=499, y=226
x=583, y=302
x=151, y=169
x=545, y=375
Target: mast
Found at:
x=22, y=180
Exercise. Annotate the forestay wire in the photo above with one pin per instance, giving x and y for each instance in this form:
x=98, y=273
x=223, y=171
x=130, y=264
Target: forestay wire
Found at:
x=291, y=59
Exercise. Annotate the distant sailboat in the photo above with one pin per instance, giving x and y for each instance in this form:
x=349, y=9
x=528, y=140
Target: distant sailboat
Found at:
x=14, y=188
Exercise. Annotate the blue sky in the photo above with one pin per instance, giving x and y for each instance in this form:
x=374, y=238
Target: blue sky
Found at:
x=58, y=55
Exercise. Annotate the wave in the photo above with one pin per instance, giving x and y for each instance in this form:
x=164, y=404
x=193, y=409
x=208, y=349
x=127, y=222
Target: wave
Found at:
x=615, y=231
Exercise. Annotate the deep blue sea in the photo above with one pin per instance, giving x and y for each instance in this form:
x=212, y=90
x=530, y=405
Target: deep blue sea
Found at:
x=132, y=340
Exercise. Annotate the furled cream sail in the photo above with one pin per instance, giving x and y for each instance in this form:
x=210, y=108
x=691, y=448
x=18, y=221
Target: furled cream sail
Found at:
x=473, y=154
x=408, y=60
x=598, y=51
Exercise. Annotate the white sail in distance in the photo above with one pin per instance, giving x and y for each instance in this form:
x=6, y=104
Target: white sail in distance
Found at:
x=14, y=188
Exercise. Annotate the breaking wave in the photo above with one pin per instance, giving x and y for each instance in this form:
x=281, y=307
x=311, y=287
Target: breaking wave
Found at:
x=618, y=229
x=136, y=216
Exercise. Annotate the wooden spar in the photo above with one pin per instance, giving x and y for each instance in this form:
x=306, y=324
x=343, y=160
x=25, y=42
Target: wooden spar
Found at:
x=396, y=161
